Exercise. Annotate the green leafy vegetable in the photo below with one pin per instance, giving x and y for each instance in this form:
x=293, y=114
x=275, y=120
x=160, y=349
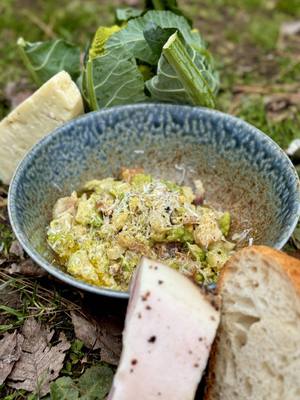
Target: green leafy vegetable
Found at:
x=156, y=37
x=146, y=71
x=113, y=79
x=132, y=36
x=170, y=5
x=196, y=251
x=150, y=55
x=102, y=34
x=125, y=14
x=45, y=59
x=94, y=384
x=183, y=76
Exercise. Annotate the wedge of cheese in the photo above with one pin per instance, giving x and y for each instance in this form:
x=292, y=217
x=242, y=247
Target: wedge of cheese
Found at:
x=170, y=326
x=54, y=103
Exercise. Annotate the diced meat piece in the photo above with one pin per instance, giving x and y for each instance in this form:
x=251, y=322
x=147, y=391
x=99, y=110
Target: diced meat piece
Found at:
x=128, y=173
x=170, y=326
x=65, y=205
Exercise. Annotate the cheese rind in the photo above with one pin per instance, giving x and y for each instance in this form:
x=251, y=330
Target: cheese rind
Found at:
x=57, y=101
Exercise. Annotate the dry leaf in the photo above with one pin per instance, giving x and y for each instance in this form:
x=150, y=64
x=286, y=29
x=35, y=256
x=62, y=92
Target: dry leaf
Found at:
x=16, y=249
x=110, y=337
x=105, y=334
x=280, y=101
x=40, y=363
x=85, y=330
x=27, y=268
x=9, y=297
x=3, y=202
x=10, y=352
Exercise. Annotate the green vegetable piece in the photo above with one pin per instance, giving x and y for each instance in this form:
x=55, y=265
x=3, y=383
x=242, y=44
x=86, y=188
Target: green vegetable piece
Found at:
x=199, y=278
x=141, y=180
x=196, y=251
x=217, y=257
x=194, y=80
x=218, y=254
x=64, y=389
x=179, y=234
x=146, y=71
x=166, y=5
x=113, y=79
x=224, y=223
x=125, y=14
x=102, y=34
x=173, y=187
x=168, y=85
x=95, y=383
x=87, y=213
x=132, y=37
x=130, y=261
x=45, y=59
x=156, y=37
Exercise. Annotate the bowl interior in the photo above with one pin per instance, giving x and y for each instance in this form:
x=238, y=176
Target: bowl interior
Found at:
x=243, y=171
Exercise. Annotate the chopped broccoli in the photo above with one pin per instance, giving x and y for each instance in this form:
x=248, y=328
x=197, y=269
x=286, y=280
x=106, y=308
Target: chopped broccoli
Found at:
x=224, y=223
x=197, y=253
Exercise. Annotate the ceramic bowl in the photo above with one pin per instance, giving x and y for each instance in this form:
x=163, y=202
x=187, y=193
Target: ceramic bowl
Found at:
x=242, y=169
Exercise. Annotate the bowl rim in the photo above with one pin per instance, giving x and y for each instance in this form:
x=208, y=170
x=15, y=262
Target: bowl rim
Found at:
x=66, y=278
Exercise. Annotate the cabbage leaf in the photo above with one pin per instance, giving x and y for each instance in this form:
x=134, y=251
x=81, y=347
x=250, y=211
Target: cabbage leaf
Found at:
x=183, y=76
x=45, y=59
x=113, y=79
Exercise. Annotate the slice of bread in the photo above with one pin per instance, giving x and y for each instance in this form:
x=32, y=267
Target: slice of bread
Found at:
x=256, y=354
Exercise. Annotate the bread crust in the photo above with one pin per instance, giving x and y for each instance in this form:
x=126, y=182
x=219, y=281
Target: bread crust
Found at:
x=289, y=265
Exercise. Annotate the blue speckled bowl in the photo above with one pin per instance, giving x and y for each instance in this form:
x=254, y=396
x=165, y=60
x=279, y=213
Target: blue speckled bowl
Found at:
x=242, y=170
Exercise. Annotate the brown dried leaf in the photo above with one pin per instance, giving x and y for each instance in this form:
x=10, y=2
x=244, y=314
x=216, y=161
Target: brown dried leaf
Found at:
x=3, y=202
x=85, y=330
x=40, y=363
x=27, y=268
x=9, y=297
x=281, y=101
x=110, y=337
x=105, y=334
x=10, y=352
x=16, y=249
